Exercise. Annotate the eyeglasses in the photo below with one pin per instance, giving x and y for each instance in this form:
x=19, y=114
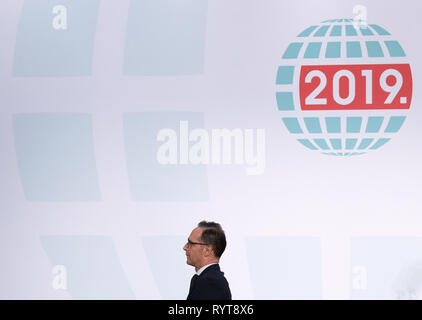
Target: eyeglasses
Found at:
x=191, y=243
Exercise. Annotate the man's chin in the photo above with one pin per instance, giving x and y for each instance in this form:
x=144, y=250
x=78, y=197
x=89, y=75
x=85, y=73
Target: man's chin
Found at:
x=189, y=262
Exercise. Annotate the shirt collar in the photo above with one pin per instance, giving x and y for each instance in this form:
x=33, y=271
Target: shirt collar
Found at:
x=203, y=268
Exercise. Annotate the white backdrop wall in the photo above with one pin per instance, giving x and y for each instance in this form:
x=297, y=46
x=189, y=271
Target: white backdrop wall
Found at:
x=86, y=209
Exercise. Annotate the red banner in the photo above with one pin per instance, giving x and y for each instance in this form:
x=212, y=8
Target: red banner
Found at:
x=355, y=87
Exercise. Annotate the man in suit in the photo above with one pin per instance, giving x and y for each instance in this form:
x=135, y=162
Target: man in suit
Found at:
x=204, y=248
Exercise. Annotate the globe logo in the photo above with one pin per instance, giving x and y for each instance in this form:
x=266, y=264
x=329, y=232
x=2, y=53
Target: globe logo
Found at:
x=343, y=90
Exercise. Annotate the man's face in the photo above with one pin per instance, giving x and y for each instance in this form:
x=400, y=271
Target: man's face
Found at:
x=194, y=252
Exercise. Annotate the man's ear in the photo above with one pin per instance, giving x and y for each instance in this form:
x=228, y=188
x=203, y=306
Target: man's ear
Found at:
x=208, y=251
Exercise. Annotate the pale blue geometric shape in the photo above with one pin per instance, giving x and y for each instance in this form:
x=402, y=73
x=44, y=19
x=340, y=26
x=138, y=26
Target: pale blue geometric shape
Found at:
x=381, y=31
x=353, y=124
x=374, y=124
x=92, y=266
x=292, y=124
x=313, y=125
x=55, y=155
x=379, y=143
x=336, y=144
x=285, y=101
x=307, y=31
x=307, y=143
x=351, y=143
x=312, y=50
x=395, y=124
x=350, y=30
x=292, y=50
x=172, y=283
x=374, y=49
x=321, y=31
x=353, y=49
x=394, y=48
x=365, y=143
x=386, y=268
x=43, y=51
x=165, y=37
x=333, y=124
x=322, y=144
x=148, y=179
x=366, y=31
x=294, y=271
x=285, y=75
x=336, y=31
x=333, y=50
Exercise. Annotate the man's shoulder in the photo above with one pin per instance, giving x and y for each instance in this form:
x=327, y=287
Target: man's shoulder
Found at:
x=212, y=284
x=212, y=275
x=211, y=272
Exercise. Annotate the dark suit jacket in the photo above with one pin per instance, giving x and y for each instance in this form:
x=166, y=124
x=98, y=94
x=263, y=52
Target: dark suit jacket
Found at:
x=210, y=285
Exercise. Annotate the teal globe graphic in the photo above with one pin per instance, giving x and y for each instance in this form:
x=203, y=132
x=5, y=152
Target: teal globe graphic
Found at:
x=343, y=89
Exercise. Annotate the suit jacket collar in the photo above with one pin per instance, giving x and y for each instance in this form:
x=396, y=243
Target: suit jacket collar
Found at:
x=211, y=268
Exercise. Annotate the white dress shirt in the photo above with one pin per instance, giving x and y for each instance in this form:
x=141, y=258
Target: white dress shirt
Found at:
x=203, y=268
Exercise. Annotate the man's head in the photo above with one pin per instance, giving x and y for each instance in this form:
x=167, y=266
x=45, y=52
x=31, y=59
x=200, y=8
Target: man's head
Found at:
x=205, y=245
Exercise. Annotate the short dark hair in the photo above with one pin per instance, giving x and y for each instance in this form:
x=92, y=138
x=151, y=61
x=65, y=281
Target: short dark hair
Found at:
x=213, y=235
